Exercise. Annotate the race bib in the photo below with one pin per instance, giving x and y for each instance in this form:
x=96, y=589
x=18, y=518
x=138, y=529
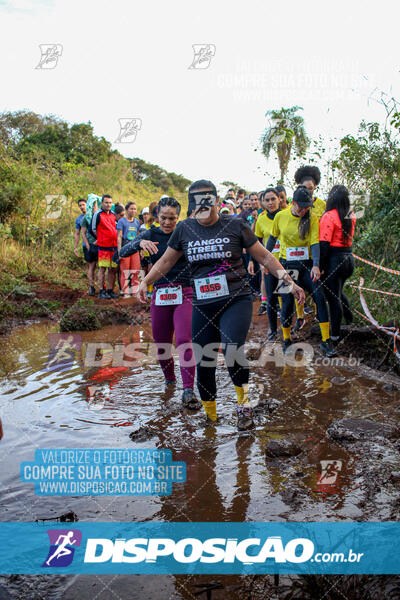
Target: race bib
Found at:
x=297, y=253
x=211, y=287
x=277, y=247
x=167, y=296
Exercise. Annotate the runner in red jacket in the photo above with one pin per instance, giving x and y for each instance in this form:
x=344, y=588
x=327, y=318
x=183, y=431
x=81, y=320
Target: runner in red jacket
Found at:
x=104, y=228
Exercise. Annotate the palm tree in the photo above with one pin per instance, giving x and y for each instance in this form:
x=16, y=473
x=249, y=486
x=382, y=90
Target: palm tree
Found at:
x=285, y=131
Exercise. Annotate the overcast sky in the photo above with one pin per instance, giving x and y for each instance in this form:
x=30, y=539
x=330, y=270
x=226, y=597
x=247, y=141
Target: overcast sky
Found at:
x=127, y=59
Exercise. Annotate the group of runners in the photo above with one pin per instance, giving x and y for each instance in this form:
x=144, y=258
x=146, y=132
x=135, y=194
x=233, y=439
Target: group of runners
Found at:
x=204, y=272
x=104, y=232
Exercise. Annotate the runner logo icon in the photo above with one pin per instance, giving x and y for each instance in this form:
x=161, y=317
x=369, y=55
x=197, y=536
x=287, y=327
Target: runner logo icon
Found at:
x=61, y=551
x=50, y=53
x=128, y=129
x=203, y=53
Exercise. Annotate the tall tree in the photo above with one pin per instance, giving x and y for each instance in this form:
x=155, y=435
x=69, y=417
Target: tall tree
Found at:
x=14, y=126
x=284, y=133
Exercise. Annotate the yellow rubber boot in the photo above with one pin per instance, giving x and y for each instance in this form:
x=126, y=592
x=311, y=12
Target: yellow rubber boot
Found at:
x=210, y=408
x=242, y=394
x=286, y=333
x=243, y=409
x=324, y=331
x=299, y=310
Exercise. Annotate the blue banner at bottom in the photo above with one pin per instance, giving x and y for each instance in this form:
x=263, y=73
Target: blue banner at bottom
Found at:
x=200, y=548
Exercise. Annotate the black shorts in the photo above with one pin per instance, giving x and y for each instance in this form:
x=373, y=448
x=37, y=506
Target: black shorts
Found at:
x=90, y=255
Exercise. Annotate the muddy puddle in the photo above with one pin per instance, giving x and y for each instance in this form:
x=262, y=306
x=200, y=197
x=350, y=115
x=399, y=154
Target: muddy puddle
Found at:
x=287, y=468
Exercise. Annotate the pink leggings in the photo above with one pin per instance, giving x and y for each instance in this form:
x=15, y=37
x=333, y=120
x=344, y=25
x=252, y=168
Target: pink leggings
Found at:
x=164, y=321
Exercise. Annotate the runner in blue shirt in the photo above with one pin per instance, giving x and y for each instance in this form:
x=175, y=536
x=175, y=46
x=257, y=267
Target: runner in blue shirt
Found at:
x=78, y=225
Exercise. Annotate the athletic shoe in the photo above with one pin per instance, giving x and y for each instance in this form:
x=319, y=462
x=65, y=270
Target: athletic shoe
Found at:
x=189, y=400
x=92, y=291
x=103, y=295
x=327, y=348
x=297, y=326
x=170, y=382
x=263, y=309
x=285, y=345
x=271, y=336
x=308, y=310
x=111, y=295
x=244, y=417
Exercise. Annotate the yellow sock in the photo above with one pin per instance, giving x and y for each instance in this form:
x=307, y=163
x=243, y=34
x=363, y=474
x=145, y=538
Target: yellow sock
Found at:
x=210, y=409
x=324, y=331
x=299, y=310
x=280, y=301
x=286, y=333
x=242, y=393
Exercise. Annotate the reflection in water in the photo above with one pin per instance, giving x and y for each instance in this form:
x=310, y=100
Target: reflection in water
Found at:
x=228, y=477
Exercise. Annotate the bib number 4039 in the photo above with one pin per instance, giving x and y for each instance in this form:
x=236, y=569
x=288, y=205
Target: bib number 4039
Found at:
x=297, y=253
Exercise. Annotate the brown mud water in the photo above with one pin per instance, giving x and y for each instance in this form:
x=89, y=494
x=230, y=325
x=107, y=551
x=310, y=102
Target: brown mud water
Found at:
x=315, y=454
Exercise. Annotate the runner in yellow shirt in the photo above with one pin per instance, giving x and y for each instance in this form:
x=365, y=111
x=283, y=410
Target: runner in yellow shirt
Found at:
x=310, y=177
x=298, y=231
x=269, y=298
x=282, y=196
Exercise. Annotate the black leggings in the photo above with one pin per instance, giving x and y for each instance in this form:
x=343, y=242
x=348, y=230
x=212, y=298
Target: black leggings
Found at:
x=271, y=283
x=304, y=281
x=340, y=267
x=224, y=321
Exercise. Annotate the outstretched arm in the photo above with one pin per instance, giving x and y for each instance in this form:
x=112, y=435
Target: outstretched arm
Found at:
x=134, y=246
x=160, y=268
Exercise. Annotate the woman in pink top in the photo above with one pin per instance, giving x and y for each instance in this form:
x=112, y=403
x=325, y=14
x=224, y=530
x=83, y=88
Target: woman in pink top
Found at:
x=336, y=231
